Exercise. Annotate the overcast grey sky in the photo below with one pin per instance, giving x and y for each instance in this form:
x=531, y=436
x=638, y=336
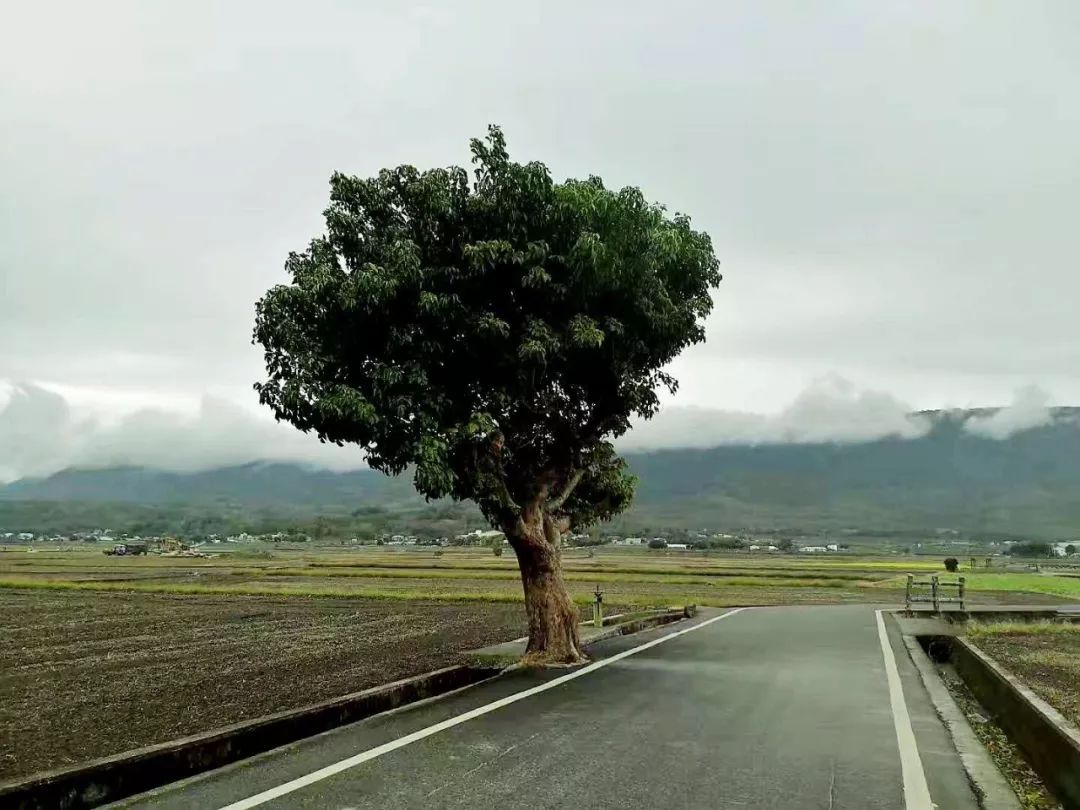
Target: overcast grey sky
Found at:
x=891, y=187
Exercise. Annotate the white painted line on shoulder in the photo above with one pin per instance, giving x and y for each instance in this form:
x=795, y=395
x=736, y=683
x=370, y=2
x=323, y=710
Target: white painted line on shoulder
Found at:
x=916, y=792
x=480, y=711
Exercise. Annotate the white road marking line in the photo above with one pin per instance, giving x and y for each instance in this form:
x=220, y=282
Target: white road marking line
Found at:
x=480, y=711
x=916, y=792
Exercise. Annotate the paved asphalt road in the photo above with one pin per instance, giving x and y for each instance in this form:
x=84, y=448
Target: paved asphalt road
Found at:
x=764, y=708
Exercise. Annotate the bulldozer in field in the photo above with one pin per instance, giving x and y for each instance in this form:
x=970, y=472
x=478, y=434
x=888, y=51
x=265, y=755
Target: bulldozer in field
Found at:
x=171, y=546
x=174, y=547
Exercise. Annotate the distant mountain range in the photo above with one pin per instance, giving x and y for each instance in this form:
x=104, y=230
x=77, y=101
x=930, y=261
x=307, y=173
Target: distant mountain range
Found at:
x=1026, y=483
x=258, y=483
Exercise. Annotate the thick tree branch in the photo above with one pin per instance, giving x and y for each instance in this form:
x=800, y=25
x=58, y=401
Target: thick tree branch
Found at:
x=554, y=529
x=556, y=503
x=502, y=492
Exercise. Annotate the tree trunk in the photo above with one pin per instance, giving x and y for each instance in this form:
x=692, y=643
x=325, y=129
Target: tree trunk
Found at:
x=553, y=618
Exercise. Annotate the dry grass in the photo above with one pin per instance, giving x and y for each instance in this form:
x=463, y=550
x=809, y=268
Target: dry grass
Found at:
x=635, y=577
x=1044, y=655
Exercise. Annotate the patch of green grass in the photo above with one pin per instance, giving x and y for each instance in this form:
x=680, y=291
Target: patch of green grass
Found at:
x=1042, y=628
x=128, y=586
x=570, y=576
x=759, y=595
x=1018, y=583
x=734, y=568
x=1030, y=583
x=870, y=565
x=412, y=572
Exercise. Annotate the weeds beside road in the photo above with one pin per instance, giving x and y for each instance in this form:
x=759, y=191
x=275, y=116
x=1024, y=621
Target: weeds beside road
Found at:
x=1045, y=656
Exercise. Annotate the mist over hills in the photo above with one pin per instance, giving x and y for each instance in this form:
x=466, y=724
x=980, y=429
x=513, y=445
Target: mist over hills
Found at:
x=950, y=476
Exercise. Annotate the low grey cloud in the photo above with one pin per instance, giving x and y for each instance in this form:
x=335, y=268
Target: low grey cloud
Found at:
x=830, y=409
x=42, y=431
x=1030, y=408
x=890, y=186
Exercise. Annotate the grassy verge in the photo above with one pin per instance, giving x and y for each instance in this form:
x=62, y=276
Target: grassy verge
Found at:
x=1029, y=788
x=1046, y=656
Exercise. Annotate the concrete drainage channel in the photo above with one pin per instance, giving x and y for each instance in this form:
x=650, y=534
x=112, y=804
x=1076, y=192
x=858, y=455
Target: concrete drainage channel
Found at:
x=1049, y=743
x=113, y=778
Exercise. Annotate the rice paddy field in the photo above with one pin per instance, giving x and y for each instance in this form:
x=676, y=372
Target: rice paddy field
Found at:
x=628, y=577
x=92, y=642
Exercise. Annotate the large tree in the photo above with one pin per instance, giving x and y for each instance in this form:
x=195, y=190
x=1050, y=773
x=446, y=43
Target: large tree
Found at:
x=492, y=337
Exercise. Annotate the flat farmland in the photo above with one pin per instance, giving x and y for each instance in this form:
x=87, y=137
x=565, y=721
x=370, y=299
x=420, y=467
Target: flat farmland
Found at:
x=629, y=577
x=92, y=673
x=103, y=654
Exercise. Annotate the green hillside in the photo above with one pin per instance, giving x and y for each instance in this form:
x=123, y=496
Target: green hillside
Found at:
x=1027, y=484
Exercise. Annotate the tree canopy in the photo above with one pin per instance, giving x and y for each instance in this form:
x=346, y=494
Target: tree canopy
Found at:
x=491, y=333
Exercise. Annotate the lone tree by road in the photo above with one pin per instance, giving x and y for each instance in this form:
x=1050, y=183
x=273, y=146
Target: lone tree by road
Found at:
x=492, y=337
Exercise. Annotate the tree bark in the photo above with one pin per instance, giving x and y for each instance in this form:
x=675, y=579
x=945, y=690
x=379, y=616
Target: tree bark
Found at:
x=553, y=619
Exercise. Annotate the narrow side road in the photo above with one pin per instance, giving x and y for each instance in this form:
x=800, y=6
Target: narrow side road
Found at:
x=762, y=708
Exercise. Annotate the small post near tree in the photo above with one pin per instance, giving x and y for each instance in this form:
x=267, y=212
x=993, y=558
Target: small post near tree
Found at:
x=492, y=336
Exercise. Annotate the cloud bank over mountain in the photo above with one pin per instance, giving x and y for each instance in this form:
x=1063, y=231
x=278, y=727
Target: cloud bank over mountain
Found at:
x=42, y=430
x=40, y=433
x=830, y=409
x=1029, y=409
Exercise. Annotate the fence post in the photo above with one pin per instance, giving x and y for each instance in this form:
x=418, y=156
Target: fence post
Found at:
x=907, y=593
x=934, y=592
x=961, y=593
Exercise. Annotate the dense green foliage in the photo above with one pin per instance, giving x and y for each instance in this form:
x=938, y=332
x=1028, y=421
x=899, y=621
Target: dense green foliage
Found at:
x=492, y=335
x=1032, y=549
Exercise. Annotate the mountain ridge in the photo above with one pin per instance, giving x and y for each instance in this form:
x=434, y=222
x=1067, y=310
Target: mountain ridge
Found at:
x=950, y=477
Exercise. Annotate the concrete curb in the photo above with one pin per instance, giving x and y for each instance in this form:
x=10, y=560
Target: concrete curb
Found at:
x=990, y=614
x=112, y=778
x=991, y=788
x=1049, y=742
x=644, y=623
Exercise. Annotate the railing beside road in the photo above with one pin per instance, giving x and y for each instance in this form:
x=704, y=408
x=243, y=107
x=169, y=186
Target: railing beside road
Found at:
x=916, y=592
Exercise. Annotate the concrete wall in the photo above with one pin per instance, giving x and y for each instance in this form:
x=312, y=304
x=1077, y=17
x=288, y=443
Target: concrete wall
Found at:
x=1049, y=742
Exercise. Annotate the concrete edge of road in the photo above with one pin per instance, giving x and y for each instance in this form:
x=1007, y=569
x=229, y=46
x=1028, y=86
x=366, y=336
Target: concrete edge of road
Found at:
x=991, y=788
x=642, y=623
x=1048, y=740
x=120, y=776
